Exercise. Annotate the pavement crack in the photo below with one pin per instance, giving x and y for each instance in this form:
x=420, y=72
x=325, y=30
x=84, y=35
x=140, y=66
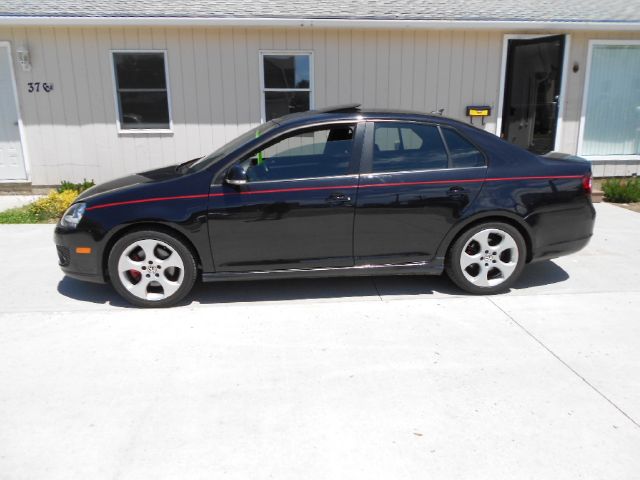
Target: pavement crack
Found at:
x=589, y=384
x=375, y=285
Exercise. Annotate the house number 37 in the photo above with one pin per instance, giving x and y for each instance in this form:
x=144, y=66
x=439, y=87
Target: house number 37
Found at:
x=39, y=87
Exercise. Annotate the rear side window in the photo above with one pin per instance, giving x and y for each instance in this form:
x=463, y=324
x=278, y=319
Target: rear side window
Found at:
x=407, y=146
x=463, y=153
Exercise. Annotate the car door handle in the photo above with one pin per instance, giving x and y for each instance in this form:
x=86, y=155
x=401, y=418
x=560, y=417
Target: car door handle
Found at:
x=338, y=198
x=456, y=190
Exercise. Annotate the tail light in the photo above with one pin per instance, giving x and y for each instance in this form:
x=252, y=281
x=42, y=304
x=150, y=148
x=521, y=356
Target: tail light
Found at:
x=586, y=184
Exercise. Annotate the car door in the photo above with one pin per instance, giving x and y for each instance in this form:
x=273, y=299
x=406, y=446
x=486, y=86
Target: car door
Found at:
x=417, y=180
x=297, y=207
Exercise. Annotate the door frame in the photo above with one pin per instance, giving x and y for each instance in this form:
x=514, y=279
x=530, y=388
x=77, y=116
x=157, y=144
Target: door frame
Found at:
x=21, y=130
x=563, y=79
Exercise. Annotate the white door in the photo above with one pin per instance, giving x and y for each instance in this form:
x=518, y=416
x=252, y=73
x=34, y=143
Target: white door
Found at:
x=11, y=158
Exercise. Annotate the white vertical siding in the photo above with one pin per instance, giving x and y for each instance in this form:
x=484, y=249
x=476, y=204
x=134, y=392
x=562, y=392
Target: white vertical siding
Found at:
x=214, y=84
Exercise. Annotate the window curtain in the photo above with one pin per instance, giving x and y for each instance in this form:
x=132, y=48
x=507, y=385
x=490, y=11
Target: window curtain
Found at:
x=612, y=117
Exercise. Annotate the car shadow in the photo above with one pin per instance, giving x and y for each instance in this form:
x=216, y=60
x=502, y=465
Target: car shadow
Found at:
x=91, y=292
x=542, y=273
x=537, y=274
x=320, y=288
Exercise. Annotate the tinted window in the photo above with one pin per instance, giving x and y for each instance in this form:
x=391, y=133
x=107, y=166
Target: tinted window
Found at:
x=463, y=153
x=407, y=146
x=320, y=152
x=141, y=88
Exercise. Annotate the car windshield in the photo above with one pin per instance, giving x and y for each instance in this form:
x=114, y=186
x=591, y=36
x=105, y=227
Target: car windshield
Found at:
x=232, y=145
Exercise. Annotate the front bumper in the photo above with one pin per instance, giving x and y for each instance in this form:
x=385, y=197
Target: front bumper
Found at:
x=81, y=266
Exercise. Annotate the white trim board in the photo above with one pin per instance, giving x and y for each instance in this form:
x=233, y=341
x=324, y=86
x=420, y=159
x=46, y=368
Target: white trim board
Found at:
x=585, y=93
x=563, y=80
x=394, y=24
x=21, y=129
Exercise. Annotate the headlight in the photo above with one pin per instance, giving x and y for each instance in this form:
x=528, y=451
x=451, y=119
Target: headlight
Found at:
x=73, y=215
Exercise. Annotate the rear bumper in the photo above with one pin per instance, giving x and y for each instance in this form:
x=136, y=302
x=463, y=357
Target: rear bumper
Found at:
x=561, y=249
x=81, y=266
x=562, y=232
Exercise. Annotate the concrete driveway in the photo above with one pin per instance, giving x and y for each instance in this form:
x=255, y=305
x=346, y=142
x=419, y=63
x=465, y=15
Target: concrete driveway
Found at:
x=366, y=378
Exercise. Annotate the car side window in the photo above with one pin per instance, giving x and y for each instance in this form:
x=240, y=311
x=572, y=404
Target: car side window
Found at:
x=407, y=146
x=318, y=152
x=463, y=153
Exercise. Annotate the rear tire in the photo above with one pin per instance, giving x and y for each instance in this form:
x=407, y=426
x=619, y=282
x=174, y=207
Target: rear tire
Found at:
x=149, y=268
x=487, y=258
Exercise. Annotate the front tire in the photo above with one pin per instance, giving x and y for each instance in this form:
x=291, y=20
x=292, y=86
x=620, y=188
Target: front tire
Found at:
x=150, y=268
x=487, y=258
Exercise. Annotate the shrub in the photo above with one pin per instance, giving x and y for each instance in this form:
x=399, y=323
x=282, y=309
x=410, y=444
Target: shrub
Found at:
x=622, y=190
x=53, y=205
x=76, y=187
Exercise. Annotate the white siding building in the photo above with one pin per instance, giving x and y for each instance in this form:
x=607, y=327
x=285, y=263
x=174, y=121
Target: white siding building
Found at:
x=104, y=88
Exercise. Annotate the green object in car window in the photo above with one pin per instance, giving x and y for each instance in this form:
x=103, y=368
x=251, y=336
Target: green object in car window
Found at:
x=260, y=159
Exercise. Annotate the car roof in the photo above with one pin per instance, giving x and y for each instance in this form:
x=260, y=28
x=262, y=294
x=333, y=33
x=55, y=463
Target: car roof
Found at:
x=354, y=112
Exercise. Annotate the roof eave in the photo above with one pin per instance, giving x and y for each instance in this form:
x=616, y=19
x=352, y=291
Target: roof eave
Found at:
x=321, y=23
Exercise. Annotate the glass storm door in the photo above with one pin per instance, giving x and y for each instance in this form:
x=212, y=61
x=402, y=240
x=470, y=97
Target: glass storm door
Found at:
x=532, y=92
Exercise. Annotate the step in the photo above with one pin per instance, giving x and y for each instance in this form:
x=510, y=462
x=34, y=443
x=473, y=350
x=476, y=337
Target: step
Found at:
x=597, y=196
x=15, y=188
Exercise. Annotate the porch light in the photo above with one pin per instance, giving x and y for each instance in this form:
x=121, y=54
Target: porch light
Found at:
x=24, y=58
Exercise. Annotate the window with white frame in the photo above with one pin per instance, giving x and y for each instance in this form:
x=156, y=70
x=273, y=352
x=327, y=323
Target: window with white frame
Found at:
x=141, y=90
x=611, y=109
x=286, y=83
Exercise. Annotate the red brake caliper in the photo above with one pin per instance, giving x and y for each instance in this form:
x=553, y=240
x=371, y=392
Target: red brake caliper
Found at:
x=135, y=274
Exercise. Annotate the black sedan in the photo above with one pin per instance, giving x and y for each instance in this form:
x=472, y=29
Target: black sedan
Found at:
x=332, y=192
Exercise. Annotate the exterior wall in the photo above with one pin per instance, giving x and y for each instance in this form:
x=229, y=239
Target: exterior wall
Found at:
x=214, y=83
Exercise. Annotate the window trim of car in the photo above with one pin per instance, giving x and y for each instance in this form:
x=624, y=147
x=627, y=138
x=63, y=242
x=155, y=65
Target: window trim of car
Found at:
x=426, y=170
x=275, y=134
x=329, y=177
x=482, y=152
x=446, y=148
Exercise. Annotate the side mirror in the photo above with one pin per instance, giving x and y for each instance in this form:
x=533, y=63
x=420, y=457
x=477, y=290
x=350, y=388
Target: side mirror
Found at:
x=236, y=175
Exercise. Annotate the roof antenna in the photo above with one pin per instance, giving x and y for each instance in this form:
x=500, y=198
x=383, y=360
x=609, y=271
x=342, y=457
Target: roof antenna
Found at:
x=440, y=111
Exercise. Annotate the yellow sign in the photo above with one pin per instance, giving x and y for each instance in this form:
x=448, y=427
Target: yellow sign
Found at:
x=478, y=113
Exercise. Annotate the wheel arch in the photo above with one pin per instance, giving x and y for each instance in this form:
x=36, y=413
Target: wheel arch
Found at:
x=160, y=227
x=484, y=217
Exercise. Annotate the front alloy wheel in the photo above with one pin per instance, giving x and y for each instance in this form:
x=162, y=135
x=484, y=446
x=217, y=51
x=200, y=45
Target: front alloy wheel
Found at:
x=487, y=258
x=151, y=269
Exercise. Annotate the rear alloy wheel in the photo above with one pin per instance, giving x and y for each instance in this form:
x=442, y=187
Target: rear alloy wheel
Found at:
x=487, y=258
x=151, y=269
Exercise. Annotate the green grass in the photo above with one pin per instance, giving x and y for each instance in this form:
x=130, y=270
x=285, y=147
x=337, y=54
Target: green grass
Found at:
x=625, y=190
x=20, y=215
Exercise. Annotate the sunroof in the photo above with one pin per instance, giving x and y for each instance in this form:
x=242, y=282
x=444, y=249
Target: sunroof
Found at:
x=346, y=108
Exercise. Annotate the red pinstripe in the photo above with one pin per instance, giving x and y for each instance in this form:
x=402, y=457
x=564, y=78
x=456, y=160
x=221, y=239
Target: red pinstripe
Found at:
x=147, y=200
x=334, y=187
